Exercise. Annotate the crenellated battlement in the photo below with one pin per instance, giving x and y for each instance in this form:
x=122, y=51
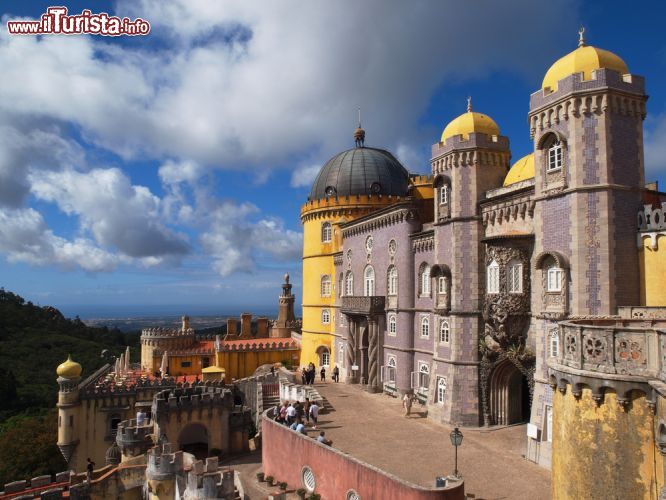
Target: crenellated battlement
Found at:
x=160, y=332
x=358, y=201
x=205, y=480
x=132, y=436
x=190, y=398
x=163, y=463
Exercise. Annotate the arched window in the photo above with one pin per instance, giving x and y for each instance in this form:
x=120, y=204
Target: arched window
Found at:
x=444, y=332
x=326, y=232
x=326, y=285
x=369, y=277
x=441, y=389
x=514, y=277
x=341, y=285
x=554, y=278
x=392, y=281
x=424, y=377
x=392, y=325
x=325, y=316
x=444, y=194
x=554, y=157
x=493, y=277
x=441, y=284
x=554, y=344
x=349, y=284
x=424, y=280
x=425, y=327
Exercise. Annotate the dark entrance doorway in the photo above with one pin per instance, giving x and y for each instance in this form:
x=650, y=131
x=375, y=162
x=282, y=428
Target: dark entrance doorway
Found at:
x=509, y=395
x=194, y=439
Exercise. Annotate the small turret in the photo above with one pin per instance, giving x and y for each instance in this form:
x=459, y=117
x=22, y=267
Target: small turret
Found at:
x=69, y=376
x=186, y=323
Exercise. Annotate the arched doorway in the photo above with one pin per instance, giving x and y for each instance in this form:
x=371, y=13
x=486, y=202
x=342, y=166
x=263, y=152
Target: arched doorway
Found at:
x=194, y=439
x=509, y=395
x=324, y=356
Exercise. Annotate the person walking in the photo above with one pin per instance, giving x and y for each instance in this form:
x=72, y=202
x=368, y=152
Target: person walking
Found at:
x=314, y=413
x=306, y=409
x=336, y=374
x=323, y=374
x=407, y=404
x=90, y=466
x=304, y=377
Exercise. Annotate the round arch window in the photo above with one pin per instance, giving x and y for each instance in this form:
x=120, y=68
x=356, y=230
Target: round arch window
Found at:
x=352, y=495
x=308, y=478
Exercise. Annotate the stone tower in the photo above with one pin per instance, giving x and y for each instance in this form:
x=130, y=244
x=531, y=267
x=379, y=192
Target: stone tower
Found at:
x=471, y=158
x=286, y=319
x=69, y=377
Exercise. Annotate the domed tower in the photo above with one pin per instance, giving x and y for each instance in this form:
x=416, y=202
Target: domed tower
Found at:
x=587, y=126
x=353, y=183
x=69, y=376
x=470, y=159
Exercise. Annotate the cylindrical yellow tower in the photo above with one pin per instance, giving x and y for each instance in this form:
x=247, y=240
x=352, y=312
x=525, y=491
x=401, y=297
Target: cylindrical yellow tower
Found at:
x=69, y=376
x=351, y=184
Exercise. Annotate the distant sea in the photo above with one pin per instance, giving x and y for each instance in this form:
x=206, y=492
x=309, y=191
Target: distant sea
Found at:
x=158, y=311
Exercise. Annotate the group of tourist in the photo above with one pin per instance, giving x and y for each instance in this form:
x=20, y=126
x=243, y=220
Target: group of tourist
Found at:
x=297, y=415
x=308, y=374
x=294, y=414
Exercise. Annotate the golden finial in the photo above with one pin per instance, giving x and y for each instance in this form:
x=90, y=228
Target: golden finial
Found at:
x=469, y=104
x=581, y=36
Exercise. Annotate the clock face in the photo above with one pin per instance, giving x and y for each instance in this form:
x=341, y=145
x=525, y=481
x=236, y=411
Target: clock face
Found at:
x=368, y=244
x=392, y=247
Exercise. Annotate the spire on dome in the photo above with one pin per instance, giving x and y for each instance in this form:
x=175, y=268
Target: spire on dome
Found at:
x=581, y=36
x=469, y=104
x=359, y=133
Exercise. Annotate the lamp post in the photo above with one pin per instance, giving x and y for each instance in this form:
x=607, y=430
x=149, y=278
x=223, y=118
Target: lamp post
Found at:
x=456, y=440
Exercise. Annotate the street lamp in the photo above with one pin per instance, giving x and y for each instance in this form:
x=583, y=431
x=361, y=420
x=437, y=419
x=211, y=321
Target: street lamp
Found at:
x=456, y=440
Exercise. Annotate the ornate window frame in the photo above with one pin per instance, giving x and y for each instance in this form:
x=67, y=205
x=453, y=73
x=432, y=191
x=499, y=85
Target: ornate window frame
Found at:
x=325, y=285
x=444, y=332
x=325, y=316
x=369, y=281
x=326, y=232
x=392, y=280
x=424, y=331
x=349, y=284
x=493, y=278
x=441, y=389
x=392, y=329
x=424, y=280
x=554, y=343
x=514, y=276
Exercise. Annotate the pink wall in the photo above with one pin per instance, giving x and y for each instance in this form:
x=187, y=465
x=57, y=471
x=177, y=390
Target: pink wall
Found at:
x=285, y=452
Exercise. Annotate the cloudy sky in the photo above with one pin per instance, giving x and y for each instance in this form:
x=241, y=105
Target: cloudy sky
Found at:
x=165, y=173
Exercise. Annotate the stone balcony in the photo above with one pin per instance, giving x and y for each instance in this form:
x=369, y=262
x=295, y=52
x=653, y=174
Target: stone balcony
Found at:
x=363, y=306
x=622, y=354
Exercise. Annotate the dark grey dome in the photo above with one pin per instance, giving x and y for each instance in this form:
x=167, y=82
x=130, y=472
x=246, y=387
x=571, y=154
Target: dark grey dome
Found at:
x=361, y=171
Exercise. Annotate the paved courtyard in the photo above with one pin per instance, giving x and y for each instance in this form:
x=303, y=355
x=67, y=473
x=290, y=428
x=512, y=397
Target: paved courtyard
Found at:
x=372, y=428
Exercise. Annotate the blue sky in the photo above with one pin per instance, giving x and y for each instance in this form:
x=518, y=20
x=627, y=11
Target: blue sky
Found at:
x=165, y=173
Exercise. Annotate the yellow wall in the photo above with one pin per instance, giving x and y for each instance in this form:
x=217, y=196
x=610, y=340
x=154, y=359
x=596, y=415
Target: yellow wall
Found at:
x=244, y=364
x=604, y=452
x=317, y=262
x=175, y=364
x=653, y=272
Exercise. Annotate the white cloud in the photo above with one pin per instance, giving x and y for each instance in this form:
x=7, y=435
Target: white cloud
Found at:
x=24, y=237
x=242, y=84
x=118, y=214
x=304, y=176
x=234, y=240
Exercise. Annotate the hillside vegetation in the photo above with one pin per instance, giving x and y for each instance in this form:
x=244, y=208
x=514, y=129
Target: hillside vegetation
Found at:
x=34, y=340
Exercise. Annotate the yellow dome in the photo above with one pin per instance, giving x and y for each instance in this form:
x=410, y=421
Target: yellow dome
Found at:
x=470, y=122
x=584, y=59
x=521, y=170
x=69, y=369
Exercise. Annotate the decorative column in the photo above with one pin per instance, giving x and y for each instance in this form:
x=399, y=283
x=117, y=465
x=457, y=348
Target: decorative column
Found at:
x=372, y=354
x=352, y=376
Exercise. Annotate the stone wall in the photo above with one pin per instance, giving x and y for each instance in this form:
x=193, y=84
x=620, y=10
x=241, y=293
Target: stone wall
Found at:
x=336, y=473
